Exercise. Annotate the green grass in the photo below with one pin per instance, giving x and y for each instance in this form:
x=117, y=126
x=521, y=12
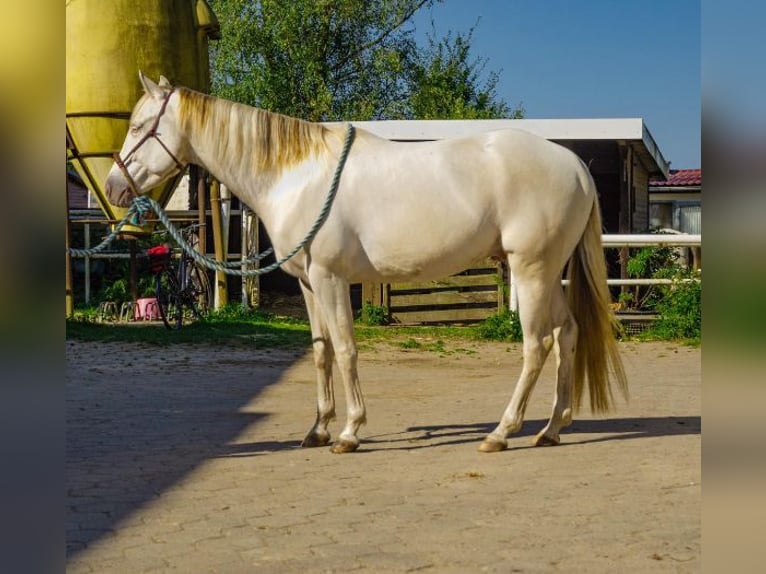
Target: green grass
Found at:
x=226, y=326
x=234, y=325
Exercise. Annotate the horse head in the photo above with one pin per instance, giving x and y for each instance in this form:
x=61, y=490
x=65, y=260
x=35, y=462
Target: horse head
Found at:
x=154, y=148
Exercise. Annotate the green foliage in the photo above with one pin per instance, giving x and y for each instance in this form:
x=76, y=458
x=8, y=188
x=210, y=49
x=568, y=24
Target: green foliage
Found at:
x=678, y=305
x=411, y=344
x=446, y=83
x=324, y=60
x=649, y=262
x=317, y=60
x=626, y=298
x=373, y=315
x=237, y=313
x=85, y=315
x=119, y=290
x=679, y=308
x=234, y=312
x=503, y=326
x=426, y=344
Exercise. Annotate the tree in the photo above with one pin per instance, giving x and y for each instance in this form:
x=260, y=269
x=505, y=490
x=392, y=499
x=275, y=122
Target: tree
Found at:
x=326, y=60
x=315, y=59
x=446, y=83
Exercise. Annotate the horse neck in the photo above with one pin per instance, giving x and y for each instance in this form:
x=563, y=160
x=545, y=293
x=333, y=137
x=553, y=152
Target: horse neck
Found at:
x=245, y=148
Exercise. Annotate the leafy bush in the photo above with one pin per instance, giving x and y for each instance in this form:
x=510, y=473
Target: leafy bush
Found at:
x=503, y=326
x=679, y=308
x=373, y=315
x=117, y=291
x=238, y=313
x=234, y=312
x=648, y=262
x=678, y=305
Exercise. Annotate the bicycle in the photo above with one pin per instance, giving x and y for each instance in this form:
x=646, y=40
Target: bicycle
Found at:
x=183, y=291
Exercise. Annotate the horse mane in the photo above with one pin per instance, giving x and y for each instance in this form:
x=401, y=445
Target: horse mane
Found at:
x=244, y=134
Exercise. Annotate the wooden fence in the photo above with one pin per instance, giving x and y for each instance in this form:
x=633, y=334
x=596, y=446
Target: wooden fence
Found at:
x=482, y=291
x=467, y=297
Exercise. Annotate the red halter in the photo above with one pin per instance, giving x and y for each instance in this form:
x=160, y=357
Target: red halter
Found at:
x=152, y=133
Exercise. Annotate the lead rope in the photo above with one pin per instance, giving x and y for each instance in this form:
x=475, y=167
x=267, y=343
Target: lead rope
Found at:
x=143, y=204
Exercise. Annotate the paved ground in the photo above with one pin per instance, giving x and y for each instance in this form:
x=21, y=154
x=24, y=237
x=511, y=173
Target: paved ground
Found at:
x=186, y=459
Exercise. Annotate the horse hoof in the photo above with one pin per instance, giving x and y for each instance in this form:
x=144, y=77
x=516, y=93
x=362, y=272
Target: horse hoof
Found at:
x=545, y=440
x=492, y=445
x=343, y=446
x=313, y=440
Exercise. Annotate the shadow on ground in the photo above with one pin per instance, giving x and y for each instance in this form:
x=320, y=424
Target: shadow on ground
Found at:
x=418, y=437
x=435, y=436
x=131, y=436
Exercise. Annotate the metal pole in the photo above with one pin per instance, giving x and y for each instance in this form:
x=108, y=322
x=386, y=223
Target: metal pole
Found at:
x=221, y=292
x=69, y=296
x=133, y=271
x=87, y=264
x=201, y=180
x=254, y=246
x=650, y=239
x=244, y=253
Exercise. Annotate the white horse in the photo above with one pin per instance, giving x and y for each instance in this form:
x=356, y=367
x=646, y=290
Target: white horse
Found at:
x=403, y=211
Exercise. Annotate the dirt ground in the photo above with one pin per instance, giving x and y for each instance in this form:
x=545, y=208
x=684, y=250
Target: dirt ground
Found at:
x=186, y=459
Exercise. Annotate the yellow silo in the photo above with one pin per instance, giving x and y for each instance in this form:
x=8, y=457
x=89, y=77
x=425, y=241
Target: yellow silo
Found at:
x=107, y=43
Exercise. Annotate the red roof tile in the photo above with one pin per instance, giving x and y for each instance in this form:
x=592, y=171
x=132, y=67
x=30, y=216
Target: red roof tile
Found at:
x=679, y=178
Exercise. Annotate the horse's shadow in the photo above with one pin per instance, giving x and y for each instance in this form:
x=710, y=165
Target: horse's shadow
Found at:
x=434, y=436
x=608, y=430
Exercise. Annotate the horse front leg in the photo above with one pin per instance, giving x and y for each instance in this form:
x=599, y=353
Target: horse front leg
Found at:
x=323, y=359
x=333, y=302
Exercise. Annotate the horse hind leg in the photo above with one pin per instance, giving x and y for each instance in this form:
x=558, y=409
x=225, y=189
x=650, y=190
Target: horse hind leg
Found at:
x=565, y=341
x=323, y=360
x=535, y=317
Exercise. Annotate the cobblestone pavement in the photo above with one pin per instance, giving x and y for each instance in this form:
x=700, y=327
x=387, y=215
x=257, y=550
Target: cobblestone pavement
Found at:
x=186, y=459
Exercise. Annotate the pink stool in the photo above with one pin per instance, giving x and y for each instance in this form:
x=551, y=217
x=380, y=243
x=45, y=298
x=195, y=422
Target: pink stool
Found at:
x=146, y=309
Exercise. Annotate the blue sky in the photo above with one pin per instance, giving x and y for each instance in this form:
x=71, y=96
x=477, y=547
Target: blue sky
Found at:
x=591, y=59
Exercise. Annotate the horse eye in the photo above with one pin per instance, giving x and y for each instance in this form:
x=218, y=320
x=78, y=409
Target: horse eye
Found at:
x=134, y=130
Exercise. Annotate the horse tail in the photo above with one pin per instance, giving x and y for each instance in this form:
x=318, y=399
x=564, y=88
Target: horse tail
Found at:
x=596, y=353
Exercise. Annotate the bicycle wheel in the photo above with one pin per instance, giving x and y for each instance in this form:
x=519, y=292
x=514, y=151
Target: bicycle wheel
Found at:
x=169, y=299
x=199, y=293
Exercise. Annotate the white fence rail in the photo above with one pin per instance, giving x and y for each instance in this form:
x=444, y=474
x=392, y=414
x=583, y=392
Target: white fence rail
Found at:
x=633, y=240
x=651, y=240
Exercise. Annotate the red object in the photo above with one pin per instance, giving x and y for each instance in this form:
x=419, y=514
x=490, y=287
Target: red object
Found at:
x=159, y=256
x=679, y=178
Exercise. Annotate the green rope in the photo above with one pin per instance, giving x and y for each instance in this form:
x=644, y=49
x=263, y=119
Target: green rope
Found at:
x=136, y=215
x=143, y=204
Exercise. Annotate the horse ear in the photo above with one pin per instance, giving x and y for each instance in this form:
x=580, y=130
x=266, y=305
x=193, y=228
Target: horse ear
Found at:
x=164, y=83
x=149, y=86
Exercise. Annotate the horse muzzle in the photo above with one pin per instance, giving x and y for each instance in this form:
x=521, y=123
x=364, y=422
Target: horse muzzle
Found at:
x=119, y=186
x=118, y=191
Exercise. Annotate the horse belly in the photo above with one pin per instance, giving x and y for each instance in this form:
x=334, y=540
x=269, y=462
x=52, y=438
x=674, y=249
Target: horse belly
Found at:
x=430, y=250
